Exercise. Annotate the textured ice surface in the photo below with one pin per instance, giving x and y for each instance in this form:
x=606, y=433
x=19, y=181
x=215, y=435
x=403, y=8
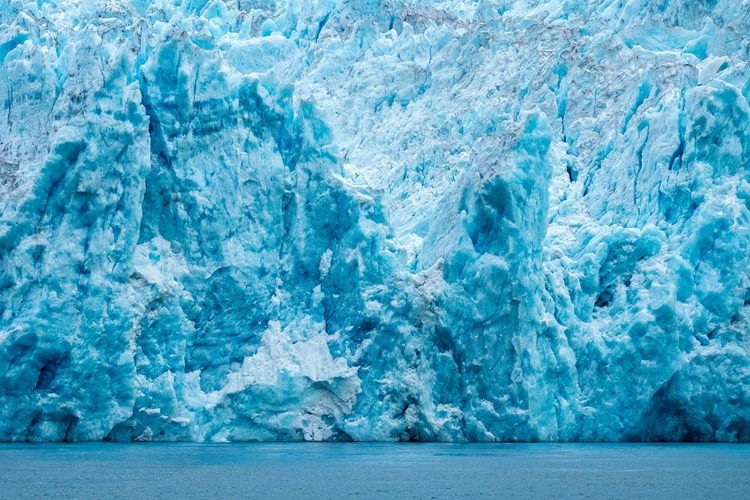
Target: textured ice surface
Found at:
x=375, y=220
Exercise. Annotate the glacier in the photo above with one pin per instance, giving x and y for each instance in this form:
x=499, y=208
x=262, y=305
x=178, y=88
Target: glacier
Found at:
x=413, y=220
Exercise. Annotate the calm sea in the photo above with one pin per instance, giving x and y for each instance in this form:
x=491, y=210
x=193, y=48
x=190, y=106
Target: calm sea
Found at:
x=365, y=471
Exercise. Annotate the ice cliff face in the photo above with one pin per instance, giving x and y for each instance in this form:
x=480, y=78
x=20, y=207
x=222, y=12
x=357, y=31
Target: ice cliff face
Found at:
x=375, y=220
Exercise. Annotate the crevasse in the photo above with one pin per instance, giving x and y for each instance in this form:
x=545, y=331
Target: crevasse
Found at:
x=384, y=220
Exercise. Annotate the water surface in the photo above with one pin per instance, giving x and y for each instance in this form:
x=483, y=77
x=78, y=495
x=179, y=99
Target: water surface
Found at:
x=365, y=471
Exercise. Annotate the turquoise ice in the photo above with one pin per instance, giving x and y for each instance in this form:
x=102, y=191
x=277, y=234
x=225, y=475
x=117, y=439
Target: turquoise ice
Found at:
x=375, y=220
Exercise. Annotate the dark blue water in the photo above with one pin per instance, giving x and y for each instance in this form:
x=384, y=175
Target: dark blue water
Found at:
x=364, y=471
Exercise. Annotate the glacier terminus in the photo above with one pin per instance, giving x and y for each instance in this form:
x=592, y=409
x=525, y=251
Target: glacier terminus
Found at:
x=375, y=220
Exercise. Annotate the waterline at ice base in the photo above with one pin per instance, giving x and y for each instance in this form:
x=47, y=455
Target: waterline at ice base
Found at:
x=375, y=220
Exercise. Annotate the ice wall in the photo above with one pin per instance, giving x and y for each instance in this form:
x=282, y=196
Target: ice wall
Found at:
x=375, y=220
